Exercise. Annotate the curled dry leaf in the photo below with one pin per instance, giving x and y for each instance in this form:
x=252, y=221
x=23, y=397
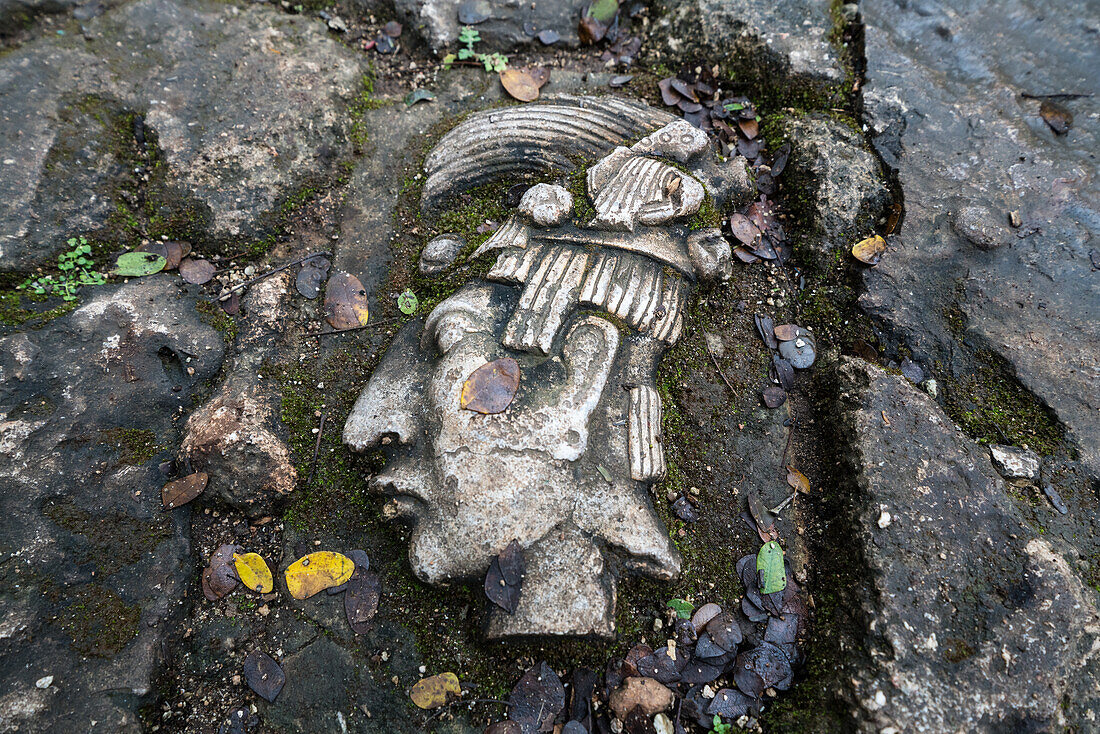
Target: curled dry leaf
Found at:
x=537, y=699
x=491, y=387
x=774, y=396
x=263, y=675
x=786, y=332
x=765, y=521
x=750, y=128
x=345, y=302
x=197, y=272
x=361, y=598
x=317, y=572
x=504, y=580
x=435, y=691
x=311, y=276
x=766, y=328
x=870, y=250
x=520, y=84
x=182, y=491
x=797, y=480
x=1057, y=116
x=253, y=571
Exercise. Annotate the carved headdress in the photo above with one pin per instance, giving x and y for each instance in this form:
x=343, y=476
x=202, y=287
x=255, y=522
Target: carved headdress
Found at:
x=567, y=468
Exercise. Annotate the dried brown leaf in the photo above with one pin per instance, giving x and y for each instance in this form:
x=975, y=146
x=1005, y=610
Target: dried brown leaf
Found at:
x=182, y=491
x=491, y=387
x=346, y=305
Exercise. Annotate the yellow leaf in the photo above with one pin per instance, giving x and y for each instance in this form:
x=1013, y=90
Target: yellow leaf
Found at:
x=436, y=691
x=317, y=572
x=798, y=480
x=869, y=250
x=254, y=572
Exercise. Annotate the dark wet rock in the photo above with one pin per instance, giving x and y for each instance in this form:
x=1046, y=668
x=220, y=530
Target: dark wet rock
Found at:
x=502, y=25
x=975, y=622
x=787, y=37
x=944, y=107
x=241, y=106
x=842, y=188
x=87, y=407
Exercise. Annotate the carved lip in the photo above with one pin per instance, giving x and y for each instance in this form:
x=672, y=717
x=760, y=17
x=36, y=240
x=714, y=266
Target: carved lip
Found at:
x=407, y=494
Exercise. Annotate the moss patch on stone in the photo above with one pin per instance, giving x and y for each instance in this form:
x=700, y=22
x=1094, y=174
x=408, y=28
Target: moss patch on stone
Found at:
x=114, y=541
x=991, y=406
x=135, y=446
x=213, y=315
x=99, y=621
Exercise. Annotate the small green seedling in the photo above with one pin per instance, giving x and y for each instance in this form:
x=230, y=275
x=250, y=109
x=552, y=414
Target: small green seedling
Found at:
x=74, y=269
x=468, y=37
x=717, y=727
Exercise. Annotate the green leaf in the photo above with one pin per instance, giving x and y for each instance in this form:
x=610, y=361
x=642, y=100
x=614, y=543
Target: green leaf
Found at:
x=682, y=608
x=135, y=264
x=465, y=53
x=448, y=60
x=407, y=303
x=468, y=35
x=769, y=563
x=733, y=106
x=604, y=10
x=71, y=242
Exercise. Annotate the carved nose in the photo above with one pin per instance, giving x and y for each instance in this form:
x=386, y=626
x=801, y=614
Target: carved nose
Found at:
x=382, y=411
x=390, y=405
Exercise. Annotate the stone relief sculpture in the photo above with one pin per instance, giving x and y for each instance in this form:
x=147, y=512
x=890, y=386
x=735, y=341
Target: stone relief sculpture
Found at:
x=587, y=305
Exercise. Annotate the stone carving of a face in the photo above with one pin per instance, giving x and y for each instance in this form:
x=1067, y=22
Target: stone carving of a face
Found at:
x=566, y=469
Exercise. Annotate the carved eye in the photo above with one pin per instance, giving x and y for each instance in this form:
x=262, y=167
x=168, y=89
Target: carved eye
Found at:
x=451, y=328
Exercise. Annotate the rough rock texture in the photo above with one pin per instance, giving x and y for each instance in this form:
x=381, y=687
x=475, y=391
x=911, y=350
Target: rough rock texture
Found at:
x=94, y=568
x=246, y=105
x=506, y=24
x=787, y=37
x=839, y=185
x=942, y=99
x=236, y=437
x=977, y=623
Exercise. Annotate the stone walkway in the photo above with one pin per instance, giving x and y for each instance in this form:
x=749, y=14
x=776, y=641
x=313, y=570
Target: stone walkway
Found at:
x=947, y=552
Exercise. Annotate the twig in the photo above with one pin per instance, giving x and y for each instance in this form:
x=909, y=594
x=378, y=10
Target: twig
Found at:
x=464, y=700
x=782, y=505
x=383, y=322
x=269, y=273
x=317, y=449
x=733, y=393
x=1062, y=95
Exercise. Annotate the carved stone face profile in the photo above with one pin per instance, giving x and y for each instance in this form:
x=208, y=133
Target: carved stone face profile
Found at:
x=587, y=306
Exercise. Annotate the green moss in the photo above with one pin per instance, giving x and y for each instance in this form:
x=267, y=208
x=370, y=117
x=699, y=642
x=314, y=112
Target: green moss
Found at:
x=956, y=650
x=114, y=541
x=991, y=406
x=213, y=315
x=359, y=133
x=99, y=621
x=135, y=446
x=17, y=309
x=707, y=217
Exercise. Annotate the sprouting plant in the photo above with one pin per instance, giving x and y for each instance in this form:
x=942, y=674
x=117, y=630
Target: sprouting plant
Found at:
x=468, y=37
x=74, y=269
x=717, y=727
